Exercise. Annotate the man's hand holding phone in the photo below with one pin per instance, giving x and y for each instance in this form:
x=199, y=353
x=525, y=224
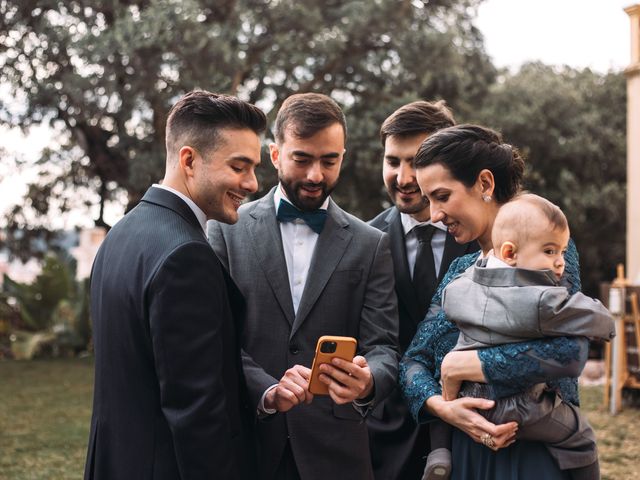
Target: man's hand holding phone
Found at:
x=347, y=381
x=291, y=390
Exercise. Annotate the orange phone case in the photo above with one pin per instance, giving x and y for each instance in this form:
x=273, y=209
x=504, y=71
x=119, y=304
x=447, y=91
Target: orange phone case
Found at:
x=345, y=348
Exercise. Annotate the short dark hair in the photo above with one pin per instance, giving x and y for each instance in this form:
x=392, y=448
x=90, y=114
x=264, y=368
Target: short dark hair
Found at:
x=306, y=114
x=465, y=150
x=196, y=119
x=417, y=117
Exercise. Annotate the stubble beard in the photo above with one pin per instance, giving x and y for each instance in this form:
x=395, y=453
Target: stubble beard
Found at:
x=292, y=188
x=410, y=209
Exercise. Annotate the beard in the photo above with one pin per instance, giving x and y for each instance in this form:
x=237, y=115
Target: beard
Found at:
x=417, y=205
x=293, y=189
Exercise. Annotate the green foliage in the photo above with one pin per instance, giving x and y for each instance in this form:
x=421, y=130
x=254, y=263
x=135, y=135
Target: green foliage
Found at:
x=106, y=73
x=82, y=321
x=571, y=125
x=37, y=301
x=53, y=309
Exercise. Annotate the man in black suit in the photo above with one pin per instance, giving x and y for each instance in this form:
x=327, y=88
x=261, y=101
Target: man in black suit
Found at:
x=421, y=252
x=168, y=388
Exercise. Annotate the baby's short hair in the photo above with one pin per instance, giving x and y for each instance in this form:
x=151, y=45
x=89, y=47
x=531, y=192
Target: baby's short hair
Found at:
x=514, y=220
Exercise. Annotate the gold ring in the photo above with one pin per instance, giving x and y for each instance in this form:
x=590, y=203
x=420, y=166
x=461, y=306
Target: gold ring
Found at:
x=487, y=440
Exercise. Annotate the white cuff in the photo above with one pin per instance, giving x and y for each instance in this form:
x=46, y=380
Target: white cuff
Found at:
x=261, y=407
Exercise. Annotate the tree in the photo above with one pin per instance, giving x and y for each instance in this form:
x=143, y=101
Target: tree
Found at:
x=105, y=73
x=571, y=125
x=37, y=301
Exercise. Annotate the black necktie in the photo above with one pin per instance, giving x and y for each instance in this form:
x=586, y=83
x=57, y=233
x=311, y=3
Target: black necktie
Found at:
x=315, y=219
x=425, y=280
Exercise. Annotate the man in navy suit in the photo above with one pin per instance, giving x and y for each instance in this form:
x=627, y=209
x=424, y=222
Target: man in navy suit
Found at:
x=169, y=391
x=421, y=252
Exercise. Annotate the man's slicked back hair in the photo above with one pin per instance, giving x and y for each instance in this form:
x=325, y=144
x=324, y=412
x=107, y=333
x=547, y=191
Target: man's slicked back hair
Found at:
x=195, y=120
x=305, y=114
x=417, y=117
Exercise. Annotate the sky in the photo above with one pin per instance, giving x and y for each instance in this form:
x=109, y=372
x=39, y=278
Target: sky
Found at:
x=578, y=33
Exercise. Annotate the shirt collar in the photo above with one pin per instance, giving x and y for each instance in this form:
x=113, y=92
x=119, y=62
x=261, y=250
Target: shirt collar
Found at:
x=197, y=211
x=408, y=223
x=495, y=262
x=279, y=194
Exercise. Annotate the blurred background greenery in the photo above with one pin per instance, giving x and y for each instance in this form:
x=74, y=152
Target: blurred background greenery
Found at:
x=104, y=74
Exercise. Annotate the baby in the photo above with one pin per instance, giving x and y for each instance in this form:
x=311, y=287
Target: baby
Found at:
x=511, y=296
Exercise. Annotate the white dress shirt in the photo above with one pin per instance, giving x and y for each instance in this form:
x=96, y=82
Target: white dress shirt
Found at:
x=411, y=241
x=298, y=243
x=495, y=262
x=200, y=215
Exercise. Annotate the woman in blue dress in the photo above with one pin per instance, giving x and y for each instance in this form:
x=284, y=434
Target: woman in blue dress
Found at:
x=467, y=173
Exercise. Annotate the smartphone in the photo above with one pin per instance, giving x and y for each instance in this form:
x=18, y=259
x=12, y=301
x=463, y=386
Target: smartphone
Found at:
x=328, y=347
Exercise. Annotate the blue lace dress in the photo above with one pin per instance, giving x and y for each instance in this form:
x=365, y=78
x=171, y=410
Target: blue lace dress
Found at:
x=509, y=369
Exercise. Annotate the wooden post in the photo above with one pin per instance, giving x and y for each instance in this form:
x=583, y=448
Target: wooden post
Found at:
x=615, y=354
x=635, y=311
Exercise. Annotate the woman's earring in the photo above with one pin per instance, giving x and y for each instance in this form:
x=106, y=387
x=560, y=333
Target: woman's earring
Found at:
x=486, y=198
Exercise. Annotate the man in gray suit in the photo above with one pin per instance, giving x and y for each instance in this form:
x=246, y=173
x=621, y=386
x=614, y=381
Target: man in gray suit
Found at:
x=307, y=268
x=422, y=253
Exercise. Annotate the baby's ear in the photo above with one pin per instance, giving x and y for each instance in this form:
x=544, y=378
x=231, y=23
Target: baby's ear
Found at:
x=508, y=253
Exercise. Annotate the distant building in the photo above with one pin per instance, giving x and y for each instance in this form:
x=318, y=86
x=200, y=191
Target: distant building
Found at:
x=633, y=149
x=85, y=252
x=18, y=271
x=82, y=245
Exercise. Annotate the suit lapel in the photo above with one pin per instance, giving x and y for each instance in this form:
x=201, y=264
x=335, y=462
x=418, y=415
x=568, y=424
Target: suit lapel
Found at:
x=404, y=285
x=267, y=242
x=331, y=245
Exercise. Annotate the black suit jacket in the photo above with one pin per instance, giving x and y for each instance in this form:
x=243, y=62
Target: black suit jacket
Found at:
x=168, y=385
x=411, y=314
x=398, y=445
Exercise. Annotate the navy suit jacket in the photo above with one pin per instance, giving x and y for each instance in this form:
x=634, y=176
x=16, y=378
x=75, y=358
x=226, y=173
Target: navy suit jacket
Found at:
x=169, y=392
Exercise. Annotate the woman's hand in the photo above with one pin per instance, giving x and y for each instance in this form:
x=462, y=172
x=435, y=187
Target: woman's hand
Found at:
x=462, y=414
x=456, y=367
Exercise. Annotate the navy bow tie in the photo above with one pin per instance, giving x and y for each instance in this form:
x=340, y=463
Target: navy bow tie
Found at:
x=314, y=219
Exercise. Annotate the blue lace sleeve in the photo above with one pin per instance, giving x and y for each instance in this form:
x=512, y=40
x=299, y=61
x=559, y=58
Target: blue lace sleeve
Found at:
x=434, y=338
x=513, y=368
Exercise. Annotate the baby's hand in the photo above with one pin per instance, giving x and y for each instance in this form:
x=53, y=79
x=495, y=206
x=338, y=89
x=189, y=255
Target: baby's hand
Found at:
x=450, y=388
x=456, y=367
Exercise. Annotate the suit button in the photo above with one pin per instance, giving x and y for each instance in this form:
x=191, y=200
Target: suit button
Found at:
x=293, y=349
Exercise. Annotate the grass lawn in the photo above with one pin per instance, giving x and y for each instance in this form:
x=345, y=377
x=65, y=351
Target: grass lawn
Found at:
x=45, y=407
x=618, y=437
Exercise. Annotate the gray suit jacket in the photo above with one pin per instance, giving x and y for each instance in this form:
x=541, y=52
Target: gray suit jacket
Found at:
x=494, y=306
x=350, y=292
